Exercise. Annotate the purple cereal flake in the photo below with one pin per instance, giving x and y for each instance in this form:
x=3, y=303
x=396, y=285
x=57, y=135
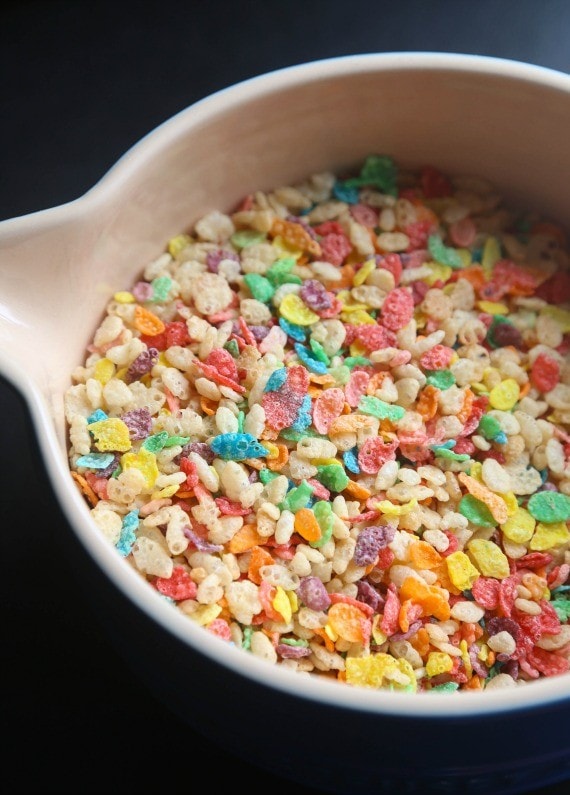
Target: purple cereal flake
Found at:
x=505, y=334
x=213, y=259
x=201, y=448
x=511, y=668
x=476, y=663
x=143, y=291
x=253, y=476
x=409, y=634
x=315, y=296
x=370, y=541
x=259, y=332
x=369, y=595
x=139, y=423
x=143, y=364
x=313, y=593
x=496, y=625
x=548, y=487
x=200, y=543
x=108, y=471
x=292, y=652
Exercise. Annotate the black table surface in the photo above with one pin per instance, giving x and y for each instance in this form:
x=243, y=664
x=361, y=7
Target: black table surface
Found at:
x=80, y=82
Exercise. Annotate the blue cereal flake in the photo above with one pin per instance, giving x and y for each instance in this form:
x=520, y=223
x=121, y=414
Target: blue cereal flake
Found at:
x=237, y=446
x=345, y=193
x=304, y=418
x=350, y=458
x=296, y=333
x=276, y=380
x=312, y=364
x=95, y=460
x=128, y=533
x=97, y=415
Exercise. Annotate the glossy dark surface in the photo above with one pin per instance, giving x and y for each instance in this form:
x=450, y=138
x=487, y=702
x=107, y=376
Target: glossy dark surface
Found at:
x=79, y=84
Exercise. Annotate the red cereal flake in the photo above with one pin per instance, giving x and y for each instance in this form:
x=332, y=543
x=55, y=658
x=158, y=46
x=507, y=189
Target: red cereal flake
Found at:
x=214, y=375
x=335, y=248
x=392, y=263
x=556, y=289
x=389, y=623
x=356, y=387
x=221, y=628
x=486, y=592
x=279, y=412
x=398, y=309
x=348, y=600
x=328, y=228
x=463, y=232
x=548, y=663
x=508, y=594
x=534, y=560
x=374, y=453
x=326, y=408
x=229, y=508
x=545, y=372
x=477, y=410
x=319, y=491
x=157, y=341
x=190, y=470
x=464, y=446
x=558, y=576
x=176, y=333
x=178, y=586
x=418, y=233
x=365, y=215
x=435, y=185
x=438, y=358
x=549, y=621
x=334, y=309
x=224, y=363
x=385, y=558
x=374, y=337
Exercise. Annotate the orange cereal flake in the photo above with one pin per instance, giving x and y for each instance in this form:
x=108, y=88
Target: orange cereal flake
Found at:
x=246, y=538
x=147, y=322
x=306, y=525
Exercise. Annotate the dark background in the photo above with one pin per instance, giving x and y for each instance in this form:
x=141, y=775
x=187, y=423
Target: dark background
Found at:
x=80, y=82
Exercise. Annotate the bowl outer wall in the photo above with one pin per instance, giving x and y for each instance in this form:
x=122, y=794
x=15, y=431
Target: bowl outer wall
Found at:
x=496, y=118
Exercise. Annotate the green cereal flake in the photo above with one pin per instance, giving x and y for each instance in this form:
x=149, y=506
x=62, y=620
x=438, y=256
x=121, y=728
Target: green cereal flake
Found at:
x=172, y=441
x=443, y=452
x=357, y=361
x=476, y=511
x=441, y=379
x=247, y=237
x=291, y=435
x=280, y=272
x=160, y=288
x=246, y=640
x=333, y=477
x=324, y=516
x=295, y=642
x=341, y=374
x=549, y=507
x=489, y=427
x=319, y=352
x=445, y=687
x=378, y=408
x=155, y=443
x=378, y=171
x=562, y=609
x=444, y=254
x=260, y=287
x=232, y=347
x=266, y=475
x=297, y=498
x=241, y=420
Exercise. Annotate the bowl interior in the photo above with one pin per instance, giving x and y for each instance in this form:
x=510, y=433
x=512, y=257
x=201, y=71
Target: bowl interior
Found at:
x=465, y=115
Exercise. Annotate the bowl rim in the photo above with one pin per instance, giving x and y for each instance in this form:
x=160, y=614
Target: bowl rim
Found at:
x=311, y=689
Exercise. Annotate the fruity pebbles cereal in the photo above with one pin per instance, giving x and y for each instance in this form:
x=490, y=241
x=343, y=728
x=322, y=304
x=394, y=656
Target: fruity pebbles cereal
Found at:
x=332, y=428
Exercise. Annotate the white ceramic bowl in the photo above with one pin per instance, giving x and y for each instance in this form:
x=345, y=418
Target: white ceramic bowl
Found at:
x=503, y=120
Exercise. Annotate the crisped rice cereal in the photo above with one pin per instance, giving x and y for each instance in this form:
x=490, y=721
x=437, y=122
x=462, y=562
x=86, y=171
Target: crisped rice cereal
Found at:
x=331, y=428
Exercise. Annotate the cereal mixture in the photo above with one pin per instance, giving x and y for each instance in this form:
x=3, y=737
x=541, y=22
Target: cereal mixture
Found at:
x=332, y=428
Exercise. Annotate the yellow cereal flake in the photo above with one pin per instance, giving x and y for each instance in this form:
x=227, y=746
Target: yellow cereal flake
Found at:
x=364, y=272
x=330, y=632
x=561, y=316
x=438, y=663
x=380, y=670
x=438, y=273
x=489, y=558
x=166, y=492
x=282, y=604
x=462, y=572
x=178, y=244
x=295, y=311
x=505, y=395
x=205, y=614
x=510, y=501
x=111, y=434
x=464, y=649
x=547, y=536
x=285, y=249
x=145, y=461
x=390, y=509
x=493, y=308
x=519, y=527
x=124, y=297
x=103, y=370
x=491, y=254
x=358, y=317
x=293, y=600
x=377, y=634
